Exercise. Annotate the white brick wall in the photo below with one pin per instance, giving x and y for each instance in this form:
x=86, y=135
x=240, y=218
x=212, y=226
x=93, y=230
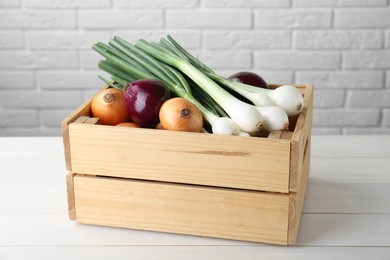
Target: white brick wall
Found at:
x=47, y=67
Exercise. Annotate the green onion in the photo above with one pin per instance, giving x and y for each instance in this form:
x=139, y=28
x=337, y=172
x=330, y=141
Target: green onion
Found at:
x=287, y=97
x=124, y=61
x=244, y=115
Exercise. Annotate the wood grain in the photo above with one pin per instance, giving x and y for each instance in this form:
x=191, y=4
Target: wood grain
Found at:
x=202, y=211
x=233, y=252
x=195, y=158
x=83, y=110
x=71, y=195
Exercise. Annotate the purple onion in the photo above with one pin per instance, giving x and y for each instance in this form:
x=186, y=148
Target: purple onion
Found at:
x=249, y=78
x=144, y=99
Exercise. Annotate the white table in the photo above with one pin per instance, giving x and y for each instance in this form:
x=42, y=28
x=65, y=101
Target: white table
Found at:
x=346, y=212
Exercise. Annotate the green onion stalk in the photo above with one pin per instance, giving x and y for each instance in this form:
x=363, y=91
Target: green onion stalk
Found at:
x=126, y=62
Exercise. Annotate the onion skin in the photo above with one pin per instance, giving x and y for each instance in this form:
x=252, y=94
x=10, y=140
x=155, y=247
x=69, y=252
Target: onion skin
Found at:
x=289, y=98
x=144, y=99
x=249, y=78
x=128, y=124
x=178, y=114
x=110, y=107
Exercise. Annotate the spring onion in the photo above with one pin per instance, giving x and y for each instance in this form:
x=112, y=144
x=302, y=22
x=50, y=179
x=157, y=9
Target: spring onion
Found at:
x=275, y=118
x=244, y=115
x=124, y=61
x=287, y=97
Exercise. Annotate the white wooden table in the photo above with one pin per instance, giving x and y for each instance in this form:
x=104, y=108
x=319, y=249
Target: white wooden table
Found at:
x=346, y=212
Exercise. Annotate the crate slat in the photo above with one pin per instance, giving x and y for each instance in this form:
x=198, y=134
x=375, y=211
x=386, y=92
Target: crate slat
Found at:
x=177, y=208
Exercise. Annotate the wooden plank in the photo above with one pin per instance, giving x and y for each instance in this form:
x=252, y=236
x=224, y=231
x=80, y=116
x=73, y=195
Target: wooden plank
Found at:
x=203, y=211
x=193, y=252
x=195, y=158
x=43, y=197
x=297, y=199
x=14, y=171
x=347, y=170
x=58, y=230
x=70, y=195
x=345, y=230
x=82, y=110
x=369, y=146
x=275, y=134
x=300, y=139
x=31, y=148
x=341, y=230
x=351, y=198
x=32, y=198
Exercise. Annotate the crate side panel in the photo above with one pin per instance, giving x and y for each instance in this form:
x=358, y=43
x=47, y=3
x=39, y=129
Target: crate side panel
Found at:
x=300, y=139
x=212, y=160
x=297, y=200
x=83, y=110
x=186, y=209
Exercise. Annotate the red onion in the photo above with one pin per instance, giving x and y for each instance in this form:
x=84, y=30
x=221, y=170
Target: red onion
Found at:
x=144, y=99
x=249, y=78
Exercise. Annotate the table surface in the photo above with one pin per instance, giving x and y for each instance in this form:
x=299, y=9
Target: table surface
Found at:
x=346, y=214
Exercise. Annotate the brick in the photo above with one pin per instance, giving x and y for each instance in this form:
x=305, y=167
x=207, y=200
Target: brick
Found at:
x=156, y=3
x=40, y=99
x=338, y=3
x=270, y=76
x=225, y=59
x=325, y=131
x=386, y=117
x=70, y=79
x=38, y=60
x=330, y=39
x=329, y=98
x=64, y=40
x=42, y=19
x=387, y=39
x=11, y=40
x=97, y=19
x=366, y=18
x=366, y=131
x=53, y=117
x=369, y=98
x=89, y=60
x=247, y=39
x=341, y=79
x=276, y=77
x=67, y=3
x=367, y=59
x=346, y=117
x=245, y=3
x=297, y=60
x=388, y=79
x=10, y=3
x=293, y=18
x=212, y=19
x=18, y=117
x=87, y=94
x=16, y=79
x=188, y=39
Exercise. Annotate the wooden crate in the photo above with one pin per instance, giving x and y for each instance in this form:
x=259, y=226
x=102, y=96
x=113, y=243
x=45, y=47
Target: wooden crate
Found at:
x=244, y=188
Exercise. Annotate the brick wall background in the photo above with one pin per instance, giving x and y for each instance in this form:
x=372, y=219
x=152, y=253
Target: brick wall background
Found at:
x=47, y=67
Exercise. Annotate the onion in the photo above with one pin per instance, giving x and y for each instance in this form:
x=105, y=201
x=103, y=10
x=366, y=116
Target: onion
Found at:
x=289, y=98
x=128, y=124
x=274, y=118
x=224, y=126
x=249, y=78
x=110, y=107
x=178, y=114
x=144, y=99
